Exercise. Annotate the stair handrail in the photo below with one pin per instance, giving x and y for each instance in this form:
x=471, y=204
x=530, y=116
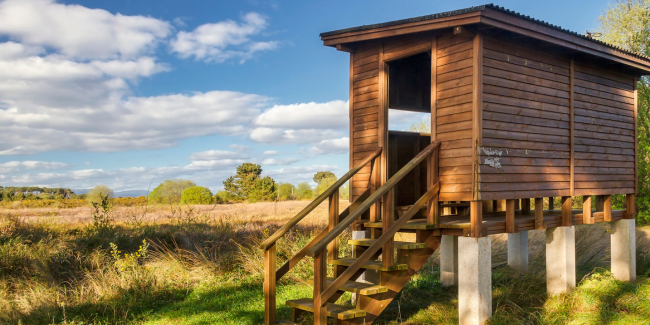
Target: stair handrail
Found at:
x=374, y=248
x=374, y=197
x=309, y=208
x=290, y=263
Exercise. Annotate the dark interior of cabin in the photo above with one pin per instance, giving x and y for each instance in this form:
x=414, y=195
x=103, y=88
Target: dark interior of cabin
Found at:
x=409, y=83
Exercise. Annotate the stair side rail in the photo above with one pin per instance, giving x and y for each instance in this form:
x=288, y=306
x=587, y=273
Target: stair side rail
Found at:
x=270, y=271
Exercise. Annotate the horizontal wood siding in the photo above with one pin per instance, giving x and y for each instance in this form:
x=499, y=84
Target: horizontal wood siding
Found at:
x=454, y=85
x=364, y=127
x=526, y=142
x=604, y=131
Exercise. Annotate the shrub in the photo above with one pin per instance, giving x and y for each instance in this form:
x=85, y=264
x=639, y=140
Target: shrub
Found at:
x=96, y=194
x=304, y=191
x=197, y=195
x=223, y=197
x=169, y=191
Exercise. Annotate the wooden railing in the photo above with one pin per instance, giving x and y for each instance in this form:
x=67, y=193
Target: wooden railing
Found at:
x=271, y=275
x=322, y=293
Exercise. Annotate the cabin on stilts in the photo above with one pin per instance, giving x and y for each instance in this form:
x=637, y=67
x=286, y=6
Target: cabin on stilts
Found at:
x=522, y=112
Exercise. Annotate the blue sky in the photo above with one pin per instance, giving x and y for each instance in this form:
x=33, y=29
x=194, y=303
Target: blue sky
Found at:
x=126, y=93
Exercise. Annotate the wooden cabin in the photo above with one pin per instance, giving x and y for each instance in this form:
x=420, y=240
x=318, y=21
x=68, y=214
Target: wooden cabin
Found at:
x=520, y=110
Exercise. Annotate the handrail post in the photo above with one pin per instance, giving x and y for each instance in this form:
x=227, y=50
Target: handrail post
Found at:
x=375, y=210
x=269, y=285
x=433, y=209
x=388, y=250
x=320, y=283
x=333, y=247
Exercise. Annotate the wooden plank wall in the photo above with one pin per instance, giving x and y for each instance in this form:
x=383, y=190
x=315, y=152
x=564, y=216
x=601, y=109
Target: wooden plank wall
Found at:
x=604, y=131
x=364, y=111
x=454, y=84
x=526, y=143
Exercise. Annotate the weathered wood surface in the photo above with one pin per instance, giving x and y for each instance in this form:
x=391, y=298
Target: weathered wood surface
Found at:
x=454, y=101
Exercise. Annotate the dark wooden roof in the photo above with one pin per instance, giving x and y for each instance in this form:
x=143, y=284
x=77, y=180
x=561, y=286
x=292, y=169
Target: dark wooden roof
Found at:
x=495, y=16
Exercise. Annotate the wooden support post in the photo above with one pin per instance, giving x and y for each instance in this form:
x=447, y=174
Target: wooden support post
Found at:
x=600, y=203
x=550, y=204
x=433, y=208
x=571, y=127
x=388, y=250
x=566, y=211
x=607, y=208
x=333, y=247
x=476, y=219
x=517, y=205
x=375, y=209
x=510, y=216
x=269, y=285
x=539, y=214
x=525, y=205
x=587, y=216
x=495, y=205
x=320, y=282
x=630, y=207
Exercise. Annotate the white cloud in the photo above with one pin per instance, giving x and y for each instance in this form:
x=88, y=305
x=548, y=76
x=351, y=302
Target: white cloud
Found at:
x=216, y=155
x=16, y=166
x=80, y=32
x=271, y=152
x=329, y=115
x=281, y=161
x=218, y=42
x=239, y=147
x=277, y=136
x=331, y=146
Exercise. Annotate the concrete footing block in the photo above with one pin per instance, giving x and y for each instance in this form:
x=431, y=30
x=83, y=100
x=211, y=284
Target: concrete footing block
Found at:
x=474, y=280
x=624, y=249
x=449, y=260
x=560, y=259
x=518, y=251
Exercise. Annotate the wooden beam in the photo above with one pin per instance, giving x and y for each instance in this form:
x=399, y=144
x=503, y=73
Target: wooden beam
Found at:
x=351, y=114
x=476, y=219
x=333, y=220
x=495, y=205
x=600, y=203
x=269, y=285
x=636, y=136
x=587, y=217
x=607, y=207
x=433, y=207
x=477, y=108
x=550, y=204
x=345, y=48
x=463, y=31
x=510, y=216
x=571, y=124
x=320, y=283
x=566, y=211
x=525, y=205
x=388, y=250
x=539, y=214
x=630, y=206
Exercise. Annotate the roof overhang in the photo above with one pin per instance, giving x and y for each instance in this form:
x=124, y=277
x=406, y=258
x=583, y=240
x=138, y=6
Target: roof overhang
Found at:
x=487, y=16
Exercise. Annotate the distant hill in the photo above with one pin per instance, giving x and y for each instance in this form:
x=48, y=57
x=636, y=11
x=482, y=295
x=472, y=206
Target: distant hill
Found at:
x=127, y=193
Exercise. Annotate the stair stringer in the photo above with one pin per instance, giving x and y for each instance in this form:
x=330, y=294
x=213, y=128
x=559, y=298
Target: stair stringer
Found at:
x=374, y=305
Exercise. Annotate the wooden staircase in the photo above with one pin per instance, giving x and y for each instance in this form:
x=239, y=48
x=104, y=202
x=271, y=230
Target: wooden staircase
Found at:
x=395, y=262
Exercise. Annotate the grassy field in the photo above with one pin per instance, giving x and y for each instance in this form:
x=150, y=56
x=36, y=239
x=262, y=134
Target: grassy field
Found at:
x=201, y=265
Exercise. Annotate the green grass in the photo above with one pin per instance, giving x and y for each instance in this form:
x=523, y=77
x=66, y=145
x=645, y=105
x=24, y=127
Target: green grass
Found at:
x=209, y=271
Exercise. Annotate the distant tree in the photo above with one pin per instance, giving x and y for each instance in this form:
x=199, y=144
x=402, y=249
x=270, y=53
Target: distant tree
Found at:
x=304, y=191
x=96, y=193
x=248, y=184
x=223, y=197
x=344, y=192
x=286, y=191
x=169, y=191
x=423, y=125
x=197, y=195
x=318, y=177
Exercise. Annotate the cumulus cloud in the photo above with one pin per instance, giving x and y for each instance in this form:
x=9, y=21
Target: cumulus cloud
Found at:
x=280, y=161
x=16, y=166
x=80, y=32
x=329, y=115
x=218, y=42
x=331, y=146
x=271, y=152
x=217, y=154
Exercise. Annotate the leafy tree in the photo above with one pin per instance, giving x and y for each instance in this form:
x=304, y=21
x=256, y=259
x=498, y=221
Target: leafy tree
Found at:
x=197, y=195
x=249, y=184
x=627, y=24
x=169, y=191
x=423, y=125
x=304, y=191
x=286, y=191
x=344, y=192
x=324, y=184
x=96, y=193
x=318, y=177
x=223, y=197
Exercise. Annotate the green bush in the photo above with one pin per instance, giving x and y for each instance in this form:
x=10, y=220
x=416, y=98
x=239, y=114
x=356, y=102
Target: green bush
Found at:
x=169, y=191
x=304, y=191
x=197, y=195
x=223, y=197
x=98, y=192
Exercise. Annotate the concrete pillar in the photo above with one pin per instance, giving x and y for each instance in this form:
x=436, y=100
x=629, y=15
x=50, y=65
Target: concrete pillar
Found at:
x=624, y=249
x=560, y=259
x=449, y=261
x=474, y=280
x=518, y=251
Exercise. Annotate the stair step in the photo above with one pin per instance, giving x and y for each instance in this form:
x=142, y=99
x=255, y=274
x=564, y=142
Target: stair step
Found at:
x=398, y=244
x=411, y=225
x=333, y=310
x=454, y=205
x=365, y=289
x=286, y=322
x=370, y=265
